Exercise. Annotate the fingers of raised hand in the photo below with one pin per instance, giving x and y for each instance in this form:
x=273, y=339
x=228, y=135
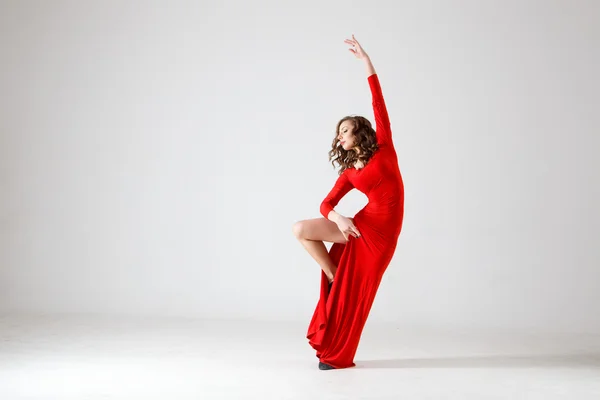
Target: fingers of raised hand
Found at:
x=352, y=42
x=355, y=49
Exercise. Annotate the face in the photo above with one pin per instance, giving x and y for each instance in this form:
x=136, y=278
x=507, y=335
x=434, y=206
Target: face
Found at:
x=345, y=135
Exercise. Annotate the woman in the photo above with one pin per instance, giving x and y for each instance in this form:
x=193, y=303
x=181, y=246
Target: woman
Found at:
x=362, y=246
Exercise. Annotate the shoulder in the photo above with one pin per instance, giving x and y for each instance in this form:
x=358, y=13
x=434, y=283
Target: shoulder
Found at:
x=342, y=173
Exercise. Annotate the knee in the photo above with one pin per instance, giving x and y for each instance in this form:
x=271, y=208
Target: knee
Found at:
x=298, y=229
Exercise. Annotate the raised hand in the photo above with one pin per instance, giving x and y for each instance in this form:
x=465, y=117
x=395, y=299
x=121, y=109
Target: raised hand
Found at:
x=356, y=49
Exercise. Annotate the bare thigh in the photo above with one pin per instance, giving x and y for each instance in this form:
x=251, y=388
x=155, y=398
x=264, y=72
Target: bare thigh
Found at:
x=318, y=229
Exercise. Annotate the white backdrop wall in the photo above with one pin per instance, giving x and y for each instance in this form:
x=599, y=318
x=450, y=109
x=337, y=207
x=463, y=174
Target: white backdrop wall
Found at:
x=154, y=156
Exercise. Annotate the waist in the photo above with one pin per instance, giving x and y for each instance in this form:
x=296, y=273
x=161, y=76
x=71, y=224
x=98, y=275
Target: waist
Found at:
x=390, y=210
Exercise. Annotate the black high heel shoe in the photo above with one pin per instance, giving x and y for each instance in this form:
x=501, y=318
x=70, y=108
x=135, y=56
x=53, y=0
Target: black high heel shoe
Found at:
x=324, y=367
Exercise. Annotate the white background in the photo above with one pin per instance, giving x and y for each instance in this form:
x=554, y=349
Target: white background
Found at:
x=155, y=155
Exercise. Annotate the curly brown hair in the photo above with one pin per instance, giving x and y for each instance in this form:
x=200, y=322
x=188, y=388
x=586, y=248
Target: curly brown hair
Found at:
x=366, y=142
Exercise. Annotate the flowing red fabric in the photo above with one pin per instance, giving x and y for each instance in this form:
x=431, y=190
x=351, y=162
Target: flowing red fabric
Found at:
x=340, y=316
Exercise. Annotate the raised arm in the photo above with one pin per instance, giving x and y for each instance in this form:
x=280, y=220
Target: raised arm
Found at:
x=383, y=128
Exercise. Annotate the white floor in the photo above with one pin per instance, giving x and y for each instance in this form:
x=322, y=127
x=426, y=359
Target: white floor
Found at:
x=69, y=357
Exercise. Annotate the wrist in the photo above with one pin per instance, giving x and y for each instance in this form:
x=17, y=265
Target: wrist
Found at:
x=369, y=65
x=334, y=216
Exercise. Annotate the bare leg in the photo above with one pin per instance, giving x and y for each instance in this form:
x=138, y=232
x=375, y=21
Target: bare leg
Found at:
x=318, y=251
x=311, y=234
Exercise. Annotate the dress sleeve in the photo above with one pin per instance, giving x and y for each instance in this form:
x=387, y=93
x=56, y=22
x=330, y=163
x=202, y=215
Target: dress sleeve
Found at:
x=383, y=129
x=339, y=190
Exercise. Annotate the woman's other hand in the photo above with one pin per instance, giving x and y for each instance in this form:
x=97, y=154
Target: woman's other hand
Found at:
x=347, y=227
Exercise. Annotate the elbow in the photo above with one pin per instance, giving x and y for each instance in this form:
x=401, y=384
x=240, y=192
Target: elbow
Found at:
x=325, y=209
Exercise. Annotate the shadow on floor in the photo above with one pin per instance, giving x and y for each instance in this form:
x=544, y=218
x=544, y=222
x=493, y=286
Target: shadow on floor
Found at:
x=583, y=360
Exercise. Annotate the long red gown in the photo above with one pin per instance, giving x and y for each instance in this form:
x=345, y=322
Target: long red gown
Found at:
x=340, y=316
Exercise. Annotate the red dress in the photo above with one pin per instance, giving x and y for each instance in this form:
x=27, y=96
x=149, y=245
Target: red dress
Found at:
x=337, y=323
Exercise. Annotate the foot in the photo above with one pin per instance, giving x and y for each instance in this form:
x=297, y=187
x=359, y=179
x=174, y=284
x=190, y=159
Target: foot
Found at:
x=323, y=366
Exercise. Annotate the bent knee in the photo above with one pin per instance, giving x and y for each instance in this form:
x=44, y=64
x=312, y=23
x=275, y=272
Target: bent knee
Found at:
x=298, y=229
